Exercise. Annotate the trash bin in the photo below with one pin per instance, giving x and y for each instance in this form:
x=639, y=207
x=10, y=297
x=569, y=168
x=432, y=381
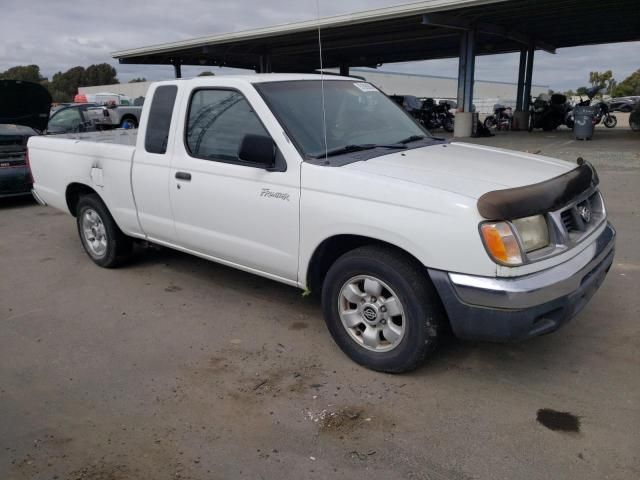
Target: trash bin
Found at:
x=583, y=122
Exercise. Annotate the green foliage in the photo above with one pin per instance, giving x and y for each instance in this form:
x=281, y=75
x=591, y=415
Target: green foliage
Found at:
x=569, y=93
x=26, y=73
x=138, y=80
x=100, y=74
x=604, y=80
x=64, y=86
x=629, y=86
x=581, y=91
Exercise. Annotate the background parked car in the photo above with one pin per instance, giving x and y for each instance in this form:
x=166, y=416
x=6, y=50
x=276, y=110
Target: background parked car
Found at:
x=623, y=104
x=71, y=118
x=24, y=112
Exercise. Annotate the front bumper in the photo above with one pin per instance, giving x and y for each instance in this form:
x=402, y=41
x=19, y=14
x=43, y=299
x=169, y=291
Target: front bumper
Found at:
x=511, y=309
x=14, y=181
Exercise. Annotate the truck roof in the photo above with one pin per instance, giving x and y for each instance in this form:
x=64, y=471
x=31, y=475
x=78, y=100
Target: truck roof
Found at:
x=255, y=78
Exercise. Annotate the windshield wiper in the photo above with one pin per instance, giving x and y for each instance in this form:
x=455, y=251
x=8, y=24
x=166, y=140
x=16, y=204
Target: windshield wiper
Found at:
x=358, y=148
x=412, y=138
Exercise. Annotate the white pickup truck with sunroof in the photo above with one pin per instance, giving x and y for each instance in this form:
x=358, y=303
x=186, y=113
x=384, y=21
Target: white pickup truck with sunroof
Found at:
x=325, y=184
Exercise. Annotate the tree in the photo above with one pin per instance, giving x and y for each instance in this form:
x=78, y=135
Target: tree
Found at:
x=138, y=80
x=206, y=73
x=603, y=80
x=100, y=74
x=569, y=93
x=64, y=86
x=629, y=86
x=26, y=73
x=581, y=91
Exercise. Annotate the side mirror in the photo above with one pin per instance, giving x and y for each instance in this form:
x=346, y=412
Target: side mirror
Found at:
x=261, y=151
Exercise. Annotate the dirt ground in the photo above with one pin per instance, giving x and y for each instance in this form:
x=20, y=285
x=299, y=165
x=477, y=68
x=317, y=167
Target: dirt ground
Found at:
x=177, y=368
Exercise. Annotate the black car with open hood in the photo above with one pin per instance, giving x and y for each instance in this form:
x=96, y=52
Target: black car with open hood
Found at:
x=24, y=112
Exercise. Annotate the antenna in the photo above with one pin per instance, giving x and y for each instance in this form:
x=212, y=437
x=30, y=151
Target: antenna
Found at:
x=324, y=112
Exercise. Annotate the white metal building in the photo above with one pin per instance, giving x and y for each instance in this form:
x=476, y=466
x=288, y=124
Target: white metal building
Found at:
x=486, y=93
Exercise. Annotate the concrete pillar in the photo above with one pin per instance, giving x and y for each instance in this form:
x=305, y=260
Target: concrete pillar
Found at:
x=525, y=75
x=463, y=126
x=521, y=74
x=177, y=69
x=344, y=70
x=526, y=96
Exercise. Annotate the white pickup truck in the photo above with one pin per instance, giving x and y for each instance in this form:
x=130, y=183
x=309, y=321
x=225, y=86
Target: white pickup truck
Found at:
x=327, y=185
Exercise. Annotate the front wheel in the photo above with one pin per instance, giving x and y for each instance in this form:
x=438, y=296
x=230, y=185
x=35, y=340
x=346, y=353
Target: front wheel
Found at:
x=610, y=121
x=634, y=121
x=381, y=309
x=101, y=237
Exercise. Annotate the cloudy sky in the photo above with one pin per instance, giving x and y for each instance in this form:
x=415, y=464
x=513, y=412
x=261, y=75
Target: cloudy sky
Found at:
x=59, y=34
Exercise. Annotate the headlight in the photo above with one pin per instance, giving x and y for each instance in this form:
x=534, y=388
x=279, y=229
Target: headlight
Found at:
x=501, y=243
x=533, y=232
x=501, y=240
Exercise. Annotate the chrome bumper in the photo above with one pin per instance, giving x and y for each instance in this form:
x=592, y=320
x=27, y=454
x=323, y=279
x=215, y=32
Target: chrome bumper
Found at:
x=37, y=197
x=536, y=288
x=515, y=308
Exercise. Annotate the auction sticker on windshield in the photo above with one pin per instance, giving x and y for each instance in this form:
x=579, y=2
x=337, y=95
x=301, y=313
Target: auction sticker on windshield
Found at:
x=366, y=87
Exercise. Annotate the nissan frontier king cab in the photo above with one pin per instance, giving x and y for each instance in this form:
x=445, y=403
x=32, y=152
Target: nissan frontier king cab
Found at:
x=327, y=185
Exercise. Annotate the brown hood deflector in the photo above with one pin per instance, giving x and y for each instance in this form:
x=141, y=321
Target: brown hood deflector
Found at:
x=542, y=197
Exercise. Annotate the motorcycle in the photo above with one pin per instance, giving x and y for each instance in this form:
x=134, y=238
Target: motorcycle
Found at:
x=501, y=119
x=548, y=112
x=602, y=111
x=603, y=114
x=436, y=116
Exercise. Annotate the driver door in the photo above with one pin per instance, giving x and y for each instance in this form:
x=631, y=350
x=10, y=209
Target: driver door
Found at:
x=226, y=209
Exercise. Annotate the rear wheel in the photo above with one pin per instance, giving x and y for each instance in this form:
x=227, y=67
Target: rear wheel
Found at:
x=101, y=238
x=447, y=124
x=128, y=123
x=381, y=309
x=490, y=122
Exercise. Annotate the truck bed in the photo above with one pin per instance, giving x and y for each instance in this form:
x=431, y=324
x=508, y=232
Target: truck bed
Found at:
x=100, y=160
x=118, y=136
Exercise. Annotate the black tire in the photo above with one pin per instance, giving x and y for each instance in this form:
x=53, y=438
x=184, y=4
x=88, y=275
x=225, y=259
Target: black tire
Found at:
x=490, y=122
x=423, y=312
x=447, y=124
x=130, y=121
x=634, y=121
x=610, y=121
x=118, y=246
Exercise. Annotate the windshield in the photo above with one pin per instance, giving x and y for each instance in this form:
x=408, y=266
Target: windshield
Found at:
x=356, y=114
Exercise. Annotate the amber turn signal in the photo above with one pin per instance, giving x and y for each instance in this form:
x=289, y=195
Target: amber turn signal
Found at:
x=501, y=243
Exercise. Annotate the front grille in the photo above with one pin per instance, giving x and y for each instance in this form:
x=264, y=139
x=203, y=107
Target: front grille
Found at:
x=568, y=220
x=582, y=217
x=12, y=159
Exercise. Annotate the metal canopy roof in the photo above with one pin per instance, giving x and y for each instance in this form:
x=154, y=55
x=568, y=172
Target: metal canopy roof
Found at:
x=417, y=31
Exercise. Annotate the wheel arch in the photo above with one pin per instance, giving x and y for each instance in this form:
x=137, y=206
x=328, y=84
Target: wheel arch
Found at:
x=331, y=248
x=73, y=193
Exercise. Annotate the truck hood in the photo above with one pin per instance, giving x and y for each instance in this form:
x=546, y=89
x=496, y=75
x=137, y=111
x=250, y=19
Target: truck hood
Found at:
x=464, y=168
x=24, y=103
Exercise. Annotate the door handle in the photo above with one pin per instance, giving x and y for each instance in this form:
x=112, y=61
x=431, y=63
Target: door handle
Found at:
x=183, y=176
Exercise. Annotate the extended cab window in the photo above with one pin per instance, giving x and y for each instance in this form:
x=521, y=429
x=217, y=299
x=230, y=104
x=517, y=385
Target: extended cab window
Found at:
x=159, y=121
x=218, y=121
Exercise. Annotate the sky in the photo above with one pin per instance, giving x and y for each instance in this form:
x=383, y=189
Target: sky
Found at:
x=60, y=34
